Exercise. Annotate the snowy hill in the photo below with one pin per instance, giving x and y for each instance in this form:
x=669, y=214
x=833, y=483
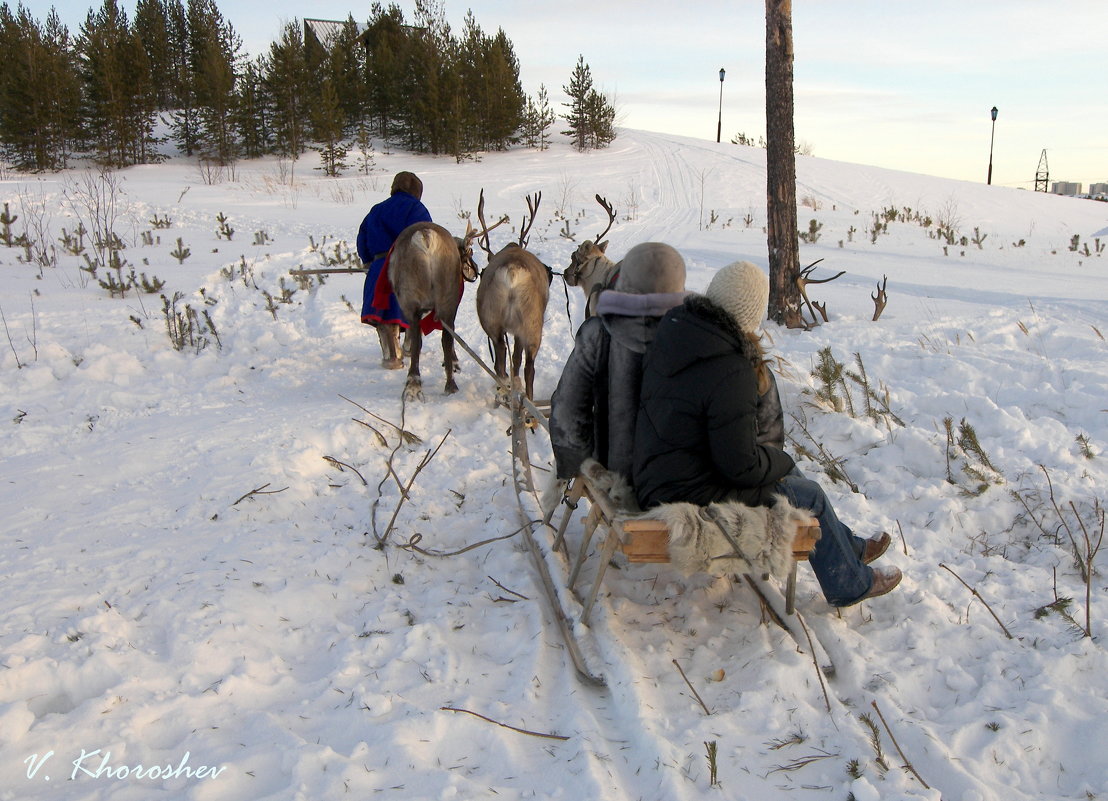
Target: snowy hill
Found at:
x=188, y=534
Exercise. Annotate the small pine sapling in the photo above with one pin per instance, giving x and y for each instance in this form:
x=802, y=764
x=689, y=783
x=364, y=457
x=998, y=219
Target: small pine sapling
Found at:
x=6, y=220
x=224, y=231
x=74, y=243
x=713, y=765
x=181, y=253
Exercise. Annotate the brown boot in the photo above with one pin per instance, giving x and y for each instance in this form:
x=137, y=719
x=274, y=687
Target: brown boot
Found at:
x=390, y=346
x=875, y=546
x=884, y=581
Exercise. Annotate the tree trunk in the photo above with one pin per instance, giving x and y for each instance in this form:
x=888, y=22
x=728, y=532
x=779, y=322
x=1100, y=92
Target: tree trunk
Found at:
x=784, y=250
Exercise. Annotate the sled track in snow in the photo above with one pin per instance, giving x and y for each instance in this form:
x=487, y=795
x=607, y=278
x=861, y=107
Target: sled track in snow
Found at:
x=625, y=742
x=624, y=751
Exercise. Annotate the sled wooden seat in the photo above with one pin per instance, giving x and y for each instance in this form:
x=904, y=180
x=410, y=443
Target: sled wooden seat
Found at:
x=646, y=540
x=642, y=539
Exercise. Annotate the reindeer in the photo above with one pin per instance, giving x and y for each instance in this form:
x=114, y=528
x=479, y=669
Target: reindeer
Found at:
x=589, y=267
x=511, y=300
x=426, y=270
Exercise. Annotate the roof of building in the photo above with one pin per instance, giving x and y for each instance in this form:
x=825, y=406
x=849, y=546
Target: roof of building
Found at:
x=326, y=30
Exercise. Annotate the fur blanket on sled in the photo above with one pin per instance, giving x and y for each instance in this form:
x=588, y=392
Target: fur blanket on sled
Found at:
x=696, y=544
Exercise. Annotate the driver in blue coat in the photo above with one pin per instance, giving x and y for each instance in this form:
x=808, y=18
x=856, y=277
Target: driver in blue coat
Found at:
x=376, y=236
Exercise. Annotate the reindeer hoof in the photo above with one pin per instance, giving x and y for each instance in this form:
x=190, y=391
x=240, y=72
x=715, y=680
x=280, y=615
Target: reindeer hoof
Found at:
x=501, y=397
x=413, y=390
x=451, y=388
x=392, y=364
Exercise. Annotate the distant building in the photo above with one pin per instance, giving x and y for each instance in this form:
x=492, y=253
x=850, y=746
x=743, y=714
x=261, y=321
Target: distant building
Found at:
x=324, y=31
x=1066, y=188
x=1098, y=189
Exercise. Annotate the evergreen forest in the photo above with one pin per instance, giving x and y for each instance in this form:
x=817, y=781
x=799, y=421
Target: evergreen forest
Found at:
x=120, y=89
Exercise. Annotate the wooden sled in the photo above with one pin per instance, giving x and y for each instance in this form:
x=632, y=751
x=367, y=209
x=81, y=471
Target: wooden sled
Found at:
x=642, y=539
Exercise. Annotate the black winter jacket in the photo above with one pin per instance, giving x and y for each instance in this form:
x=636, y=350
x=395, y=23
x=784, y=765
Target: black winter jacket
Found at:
x=697, y=434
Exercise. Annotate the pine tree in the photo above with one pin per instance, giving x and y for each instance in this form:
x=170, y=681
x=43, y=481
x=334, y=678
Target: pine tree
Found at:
x=364, y=143
x=119, y=109
x=545, y=117
x=505, y=100
x=327, y=117
x=591, y=117
x=286, y=81
x=388, y=45
x=602, y=119
x=214, y=50
x=39, y=88
x=185, y=118
x=347, y=72
x=578, y=89
x=529, y=128
x=253, y=110
x=152, y=26
x=428, y=82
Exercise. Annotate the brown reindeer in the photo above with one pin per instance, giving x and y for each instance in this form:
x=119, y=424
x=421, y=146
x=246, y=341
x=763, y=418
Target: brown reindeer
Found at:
x=426, y=270
x=589, y=267
x=511, y=300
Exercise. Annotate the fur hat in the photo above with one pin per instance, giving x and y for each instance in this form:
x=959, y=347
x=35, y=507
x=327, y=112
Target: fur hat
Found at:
x=407, y=182
x=649, y=268
x=743, y=291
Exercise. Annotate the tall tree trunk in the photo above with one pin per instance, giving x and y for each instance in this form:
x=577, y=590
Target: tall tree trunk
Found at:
x=784, y=250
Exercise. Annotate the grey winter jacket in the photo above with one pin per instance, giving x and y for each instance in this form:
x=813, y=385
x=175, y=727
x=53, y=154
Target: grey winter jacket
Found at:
x=593, y=409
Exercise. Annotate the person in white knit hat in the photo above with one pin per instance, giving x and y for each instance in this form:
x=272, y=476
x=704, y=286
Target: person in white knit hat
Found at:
x=707, y=405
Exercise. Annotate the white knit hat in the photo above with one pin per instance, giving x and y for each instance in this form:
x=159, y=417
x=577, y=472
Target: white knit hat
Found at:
x=743, y=291
x=651, y=267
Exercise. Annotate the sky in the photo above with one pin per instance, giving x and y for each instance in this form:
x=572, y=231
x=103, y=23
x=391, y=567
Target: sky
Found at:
x=902, y=85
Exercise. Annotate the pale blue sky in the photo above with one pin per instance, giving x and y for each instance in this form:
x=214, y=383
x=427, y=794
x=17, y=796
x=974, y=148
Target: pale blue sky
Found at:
x=905, y=85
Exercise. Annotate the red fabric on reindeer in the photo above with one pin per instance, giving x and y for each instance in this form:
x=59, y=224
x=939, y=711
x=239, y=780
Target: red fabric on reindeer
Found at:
x=383, y=290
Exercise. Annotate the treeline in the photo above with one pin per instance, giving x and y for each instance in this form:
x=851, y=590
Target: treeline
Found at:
x=418, y=85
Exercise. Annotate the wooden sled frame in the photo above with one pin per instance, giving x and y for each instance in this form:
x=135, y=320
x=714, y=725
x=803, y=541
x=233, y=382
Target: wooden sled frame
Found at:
x=643, y=540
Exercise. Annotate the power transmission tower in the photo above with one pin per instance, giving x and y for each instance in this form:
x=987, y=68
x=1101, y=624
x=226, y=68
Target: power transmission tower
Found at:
x=1042, y=175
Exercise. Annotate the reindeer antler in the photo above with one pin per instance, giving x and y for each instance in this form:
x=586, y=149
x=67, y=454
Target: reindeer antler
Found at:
x=604, y=204
x=532, y=208
x=804, y=279
x=880, y=298
x=483, y=234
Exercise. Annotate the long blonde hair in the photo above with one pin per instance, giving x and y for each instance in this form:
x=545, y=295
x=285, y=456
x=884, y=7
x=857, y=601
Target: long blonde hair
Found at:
x=760, y=361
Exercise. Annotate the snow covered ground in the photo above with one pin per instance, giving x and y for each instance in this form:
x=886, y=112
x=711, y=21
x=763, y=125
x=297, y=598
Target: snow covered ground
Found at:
x=189, y=577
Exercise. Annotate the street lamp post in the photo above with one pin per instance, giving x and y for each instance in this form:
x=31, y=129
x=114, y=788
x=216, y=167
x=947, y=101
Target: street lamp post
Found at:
x=719, y=125
x=992, y=136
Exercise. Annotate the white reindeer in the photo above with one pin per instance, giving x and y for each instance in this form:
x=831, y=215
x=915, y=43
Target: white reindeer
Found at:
x=589, y=267
x=511, y=300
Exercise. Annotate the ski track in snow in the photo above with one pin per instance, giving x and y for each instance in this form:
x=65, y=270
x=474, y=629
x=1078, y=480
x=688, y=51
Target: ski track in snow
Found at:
x=150, y=614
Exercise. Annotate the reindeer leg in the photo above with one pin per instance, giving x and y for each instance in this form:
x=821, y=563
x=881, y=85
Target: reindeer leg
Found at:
x=449, y=360
x=517, y=360
x=500, y=362
x=529, y=372
x=413, y=388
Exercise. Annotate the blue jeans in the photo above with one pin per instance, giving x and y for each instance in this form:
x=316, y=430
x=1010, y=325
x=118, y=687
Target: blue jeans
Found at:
x=836, y=559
